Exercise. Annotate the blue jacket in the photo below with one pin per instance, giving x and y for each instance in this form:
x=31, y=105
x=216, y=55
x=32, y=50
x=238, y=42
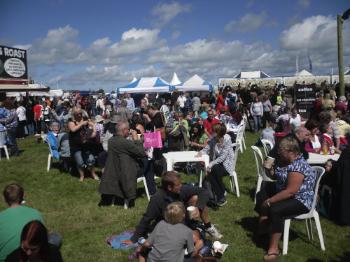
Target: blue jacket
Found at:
x=53, y=143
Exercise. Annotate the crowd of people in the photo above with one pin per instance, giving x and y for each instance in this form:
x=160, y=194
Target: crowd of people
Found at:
x=105, y=132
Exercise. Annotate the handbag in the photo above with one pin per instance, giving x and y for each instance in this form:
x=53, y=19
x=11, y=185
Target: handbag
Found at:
x=152, y=139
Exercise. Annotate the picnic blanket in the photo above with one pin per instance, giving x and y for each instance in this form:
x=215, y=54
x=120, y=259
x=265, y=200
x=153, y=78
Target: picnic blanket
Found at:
x=115, y=241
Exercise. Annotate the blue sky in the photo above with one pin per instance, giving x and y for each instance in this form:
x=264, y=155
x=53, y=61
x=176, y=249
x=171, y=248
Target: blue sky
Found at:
x=102, y=44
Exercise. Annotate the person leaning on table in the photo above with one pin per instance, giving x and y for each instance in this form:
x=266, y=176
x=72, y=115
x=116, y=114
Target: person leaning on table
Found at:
x=295, y=182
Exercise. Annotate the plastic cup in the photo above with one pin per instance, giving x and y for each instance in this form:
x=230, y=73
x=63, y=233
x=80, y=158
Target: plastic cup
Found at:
x=190, y=211
x=217, y=246
x=269, y=162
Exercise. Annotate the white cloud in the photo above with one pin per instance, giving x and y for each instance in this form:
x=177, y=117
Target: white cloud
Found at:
x=317, y=36
x=175, y=34
x=165, y=12
x=24, y=47
x=59, y=46
x=141, y=52
x=102, y=42
x=304, y=3
x=247, y=23
x=313, y=32
x=55, y=80
x=133, y=42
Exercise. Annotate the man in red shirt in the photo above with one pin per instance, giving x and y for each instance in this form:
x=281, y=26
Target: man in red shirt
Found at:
x=210, y=121
x=38, y=114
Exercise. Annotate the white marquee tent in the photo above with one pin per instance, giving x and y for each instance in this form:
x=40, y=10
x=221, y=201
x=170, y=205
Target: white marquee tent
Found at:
x=251, y=75
x=175, y=81
x=195, y=83
x=304, y=73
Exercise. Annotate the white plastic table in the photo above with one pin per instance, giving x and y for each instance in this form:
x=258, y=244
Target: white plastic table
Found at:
x=318, y=159
x=185, y=156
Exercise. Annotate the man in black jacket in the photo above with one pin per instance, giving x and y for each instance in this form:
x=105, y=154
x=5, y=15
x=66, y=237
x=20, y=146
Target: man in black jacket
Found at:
x=172, y=190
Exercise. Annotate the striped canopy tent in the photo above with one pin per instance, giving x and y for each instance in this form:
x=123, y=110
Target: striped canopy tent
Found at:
x=195, y=83
x=146, y=85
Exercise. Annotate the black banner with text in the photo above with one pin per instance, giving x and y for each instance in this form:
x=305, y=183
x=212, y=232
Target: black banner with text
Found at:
x=13, y=63
x=305, y=96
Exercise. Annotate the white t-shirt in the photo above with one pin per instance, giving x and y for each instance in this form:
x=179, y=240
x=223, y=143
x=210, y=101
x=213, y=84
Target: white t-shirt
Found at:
x=296, y=122
x=21, y=113
x=181, y=100
x=316, y=144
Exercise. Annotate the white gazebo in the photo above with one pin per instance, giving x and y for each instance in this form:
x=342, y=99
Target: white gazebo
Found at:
x=195, y=83
x=251, y=75
x=303, y=73
x=175, y=81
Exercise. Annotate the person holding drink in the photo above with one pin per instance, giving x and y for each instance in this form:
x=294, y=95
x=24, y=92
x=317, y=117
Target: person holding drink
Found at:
x=294, y=193
x=81, y=133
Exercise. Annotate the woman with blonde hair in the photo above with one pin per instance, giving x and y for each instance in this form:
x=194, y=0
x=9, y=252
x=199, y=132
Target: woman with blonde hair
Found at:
x=81, y=131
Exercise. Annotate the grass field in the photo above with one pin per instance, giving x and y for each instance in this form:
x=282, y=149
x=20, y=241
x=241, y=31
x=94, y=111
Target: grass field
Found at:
x=70, y=208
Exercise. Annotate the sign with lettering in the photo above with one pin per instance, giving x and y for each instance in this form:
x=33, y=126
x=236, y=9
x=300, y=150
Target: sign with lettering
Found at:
x=13, y=63
x=305, y=96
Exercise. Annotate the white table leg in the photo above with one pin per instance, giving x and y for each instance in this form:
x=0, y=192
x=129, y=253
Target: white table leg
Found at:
x=169, y=165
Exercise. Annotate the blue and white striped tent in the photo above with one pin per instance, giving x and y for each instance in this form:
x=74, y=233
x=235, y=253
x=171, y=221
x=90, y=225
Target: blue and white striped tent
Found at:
x=146, y=85
x=195, y=83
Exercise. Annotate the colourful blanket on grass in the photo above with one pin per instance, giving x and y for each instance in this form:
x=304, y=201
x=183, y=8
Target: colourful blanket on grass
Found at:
x=115, y=241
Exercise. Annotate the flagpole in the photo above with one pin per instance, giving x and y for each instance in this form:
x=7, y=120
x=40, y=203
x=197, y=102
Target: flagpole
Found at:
x=340, y=21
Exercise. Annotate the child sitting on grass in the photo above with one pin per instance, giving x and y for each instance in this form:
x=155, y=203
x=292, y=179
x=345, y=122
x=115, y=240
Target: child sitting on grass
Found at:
x=169, y=238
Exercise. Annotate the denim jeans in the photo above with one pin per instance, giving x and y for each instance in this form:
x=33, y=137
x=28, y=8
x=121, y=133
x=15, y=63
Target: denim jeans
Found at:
x=84, y=159
x=11, y=140
x=30, y=129
x=3, y=135
x=257, y=123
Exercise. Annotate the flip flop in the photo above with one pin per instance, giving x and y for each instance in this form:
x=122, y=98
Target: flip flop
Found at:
x=271, y=256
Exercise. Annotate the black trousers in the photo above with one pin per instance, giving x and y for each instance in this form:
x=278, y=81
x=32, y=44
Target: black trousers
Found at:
x=282, y=210
x=20, y=129
x=266, y=117
x=148, y=172
x=215, y=178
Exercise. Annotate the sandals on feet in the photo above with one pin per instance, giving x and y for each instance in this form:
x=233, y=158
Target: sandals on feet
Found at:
x=271, y=256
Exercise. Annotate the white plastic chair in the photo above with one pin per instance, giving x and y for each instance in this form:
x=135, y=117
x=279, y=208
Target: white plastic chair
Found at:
x=139, y=180
x=233, y=176
x=6, y=152
x=244, y=122
x=260, y=170
x=308, y=216
x=49, y=157
x=240, y=137
x=267, y=145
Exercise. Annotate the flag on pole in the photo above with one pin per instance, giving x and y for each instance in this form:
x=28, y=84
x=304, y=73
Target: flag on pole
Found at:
x=310, y=63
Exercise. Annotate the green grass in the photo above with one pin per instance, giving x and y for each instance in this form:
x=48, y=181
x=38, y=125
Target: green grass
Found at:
x=70, y=208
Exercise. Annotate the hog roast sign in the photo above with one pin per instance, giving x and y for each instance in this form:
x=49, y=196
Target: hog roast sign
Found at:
x=13, y=63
